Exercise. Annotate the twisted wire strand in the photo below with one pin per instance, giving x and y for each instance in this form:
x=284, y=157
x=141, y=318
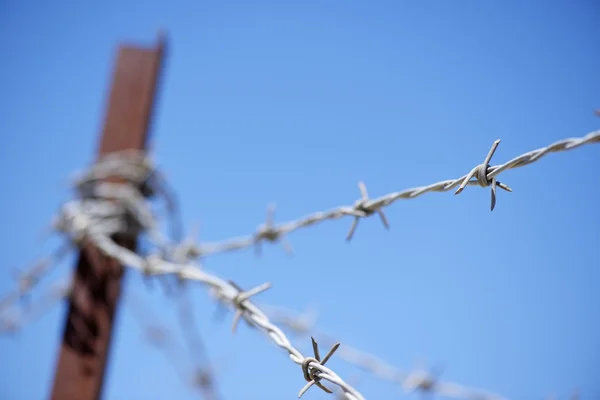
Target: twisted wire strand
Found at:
x=94, y=218
x=418, y=380
x=136, y=168
x=226, y=291
x=370, y=205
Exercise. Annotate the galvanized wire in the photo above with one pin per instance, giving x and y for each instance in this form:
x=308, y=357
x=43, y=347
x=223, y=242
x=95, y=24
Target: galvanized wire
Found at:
x=366, y=207
x=251, y=313
x=419, y=380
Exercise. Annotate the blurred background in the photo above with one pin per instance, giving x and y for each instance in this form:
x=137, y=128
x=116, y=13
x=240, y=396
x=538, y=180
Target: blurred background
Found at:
x=293, y=103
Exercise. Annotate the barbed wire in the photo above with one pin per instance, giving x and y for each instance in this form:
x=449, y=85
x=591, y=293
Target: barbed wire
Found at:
x=103, y=209
x=416, y=380
x=483, y=175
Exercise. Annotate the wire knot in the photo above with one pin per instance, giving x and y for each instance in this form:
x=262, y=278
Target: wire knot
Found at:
x=188, y=249
x=480, y=173
x=134, y=167
x=73, y=221
x=362, y=209
x=152, y=264
x=311, y=373
x=240, y=299
x=270, y=232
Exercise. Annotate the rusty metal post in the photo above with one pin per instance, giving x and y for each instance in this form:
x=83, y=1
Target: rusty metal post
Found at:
x=85, y=346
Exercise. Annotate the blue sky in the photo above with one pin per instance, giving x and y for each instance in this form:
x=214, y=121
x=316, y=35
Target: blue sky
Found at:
x=294, y=103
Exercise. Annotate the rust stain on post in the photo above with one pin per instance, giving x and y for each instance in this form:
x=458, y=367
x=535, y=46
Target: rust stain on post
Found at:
x=87, y=334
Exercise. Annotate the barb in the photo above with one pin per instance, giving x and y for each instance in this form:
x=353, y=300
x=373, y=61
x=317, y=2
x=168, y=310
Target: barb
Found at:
x=480, y=173
x=484, y=175
x=362, y=210
x=269, y=232
x=240, y=299
x=309, y=374
x=419, y=380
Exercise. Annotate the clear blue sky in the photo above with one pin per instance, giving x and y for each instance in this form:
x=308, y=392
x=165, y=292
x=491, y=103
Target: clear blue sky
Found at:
x=294, y=103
